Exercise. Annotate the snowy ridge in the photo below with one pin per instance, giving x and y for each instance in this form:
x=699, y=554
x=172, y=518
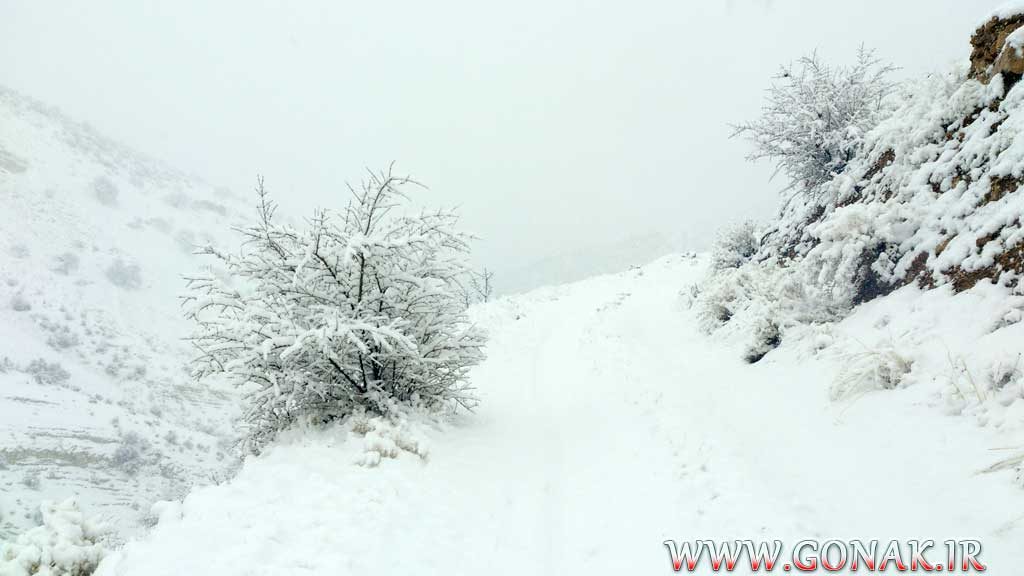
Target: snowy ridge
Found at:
x=609, y=423
x=95, y=401
x=1004, y=12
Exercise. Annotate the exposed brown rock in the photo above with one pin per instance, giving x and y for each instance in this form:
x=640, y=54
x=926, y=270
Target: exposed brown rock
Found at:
x=920, y=272
x=1011, y=260
x=887, y=158
x=988, y=42
x=1001, y=187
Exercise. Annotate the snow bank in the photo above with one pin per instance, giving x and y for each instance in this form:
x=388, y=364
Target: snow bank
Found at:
x=341, y=497
x=66, y=544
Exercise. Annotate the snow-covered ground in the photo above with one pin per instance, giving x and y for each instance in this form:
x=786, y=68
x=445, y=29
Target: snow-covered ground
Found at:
x=609, y=423
x=95, y=398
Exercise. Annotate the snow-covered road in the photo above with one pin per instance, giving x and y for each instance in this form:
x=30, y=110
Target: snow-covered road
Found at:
x=608, y=424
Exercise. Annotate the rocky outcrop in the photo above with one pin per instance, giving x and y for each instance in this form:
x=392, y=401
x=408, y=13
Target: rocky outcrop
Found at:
x=997, y=48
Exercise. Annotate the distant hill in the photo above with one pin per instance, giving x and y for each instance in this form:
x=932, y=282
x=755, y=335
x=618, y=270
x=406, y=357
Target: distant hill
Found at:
x=590, y=261
x=95, y=398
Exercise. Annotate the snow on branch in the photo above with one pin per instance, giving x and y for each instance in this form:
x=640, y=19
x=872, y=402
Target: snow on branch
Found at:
x=816, y=116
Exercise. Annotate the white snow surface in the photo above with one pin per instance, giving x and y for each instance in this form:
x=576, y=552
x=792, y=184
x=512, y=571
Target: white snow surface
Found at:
x=1003, y=11
x=96, y=402
x=65, y=544
x=609, y=423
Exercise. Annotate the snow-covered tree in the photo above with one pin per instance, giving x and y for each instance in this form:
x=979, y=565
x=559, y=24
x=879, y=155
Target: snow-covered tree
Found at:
x=360, y=309
x=816, y=116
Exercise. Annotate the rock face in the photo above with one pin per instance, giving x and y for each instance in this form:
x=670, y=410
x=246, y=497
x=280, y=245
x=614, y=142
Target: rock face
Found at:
x=997, y=48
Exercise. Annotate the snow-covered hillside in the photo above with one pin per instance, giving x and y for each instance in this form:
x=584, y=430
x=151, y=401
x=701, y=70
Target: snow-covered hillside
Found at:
x=95, y=400
x=851, y=370
x=609, y=423
x=576, y=265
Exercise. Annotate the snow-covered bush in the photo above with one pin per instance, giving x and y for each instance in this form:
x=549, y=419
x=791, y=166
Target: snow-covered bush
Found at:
x=816, y=116
x=766, y=337
x=30, y=479
x=66, y=544
x=744, y=300
x=47, y=373
x=882, y=367
x=387, y=437
x=126, y=275
x=1003, y=374
x=362, y=308
x=19, y=303
x=758, y=301
x=66, y=263
x=129, y=456
x=106, y=191
x=735, y=245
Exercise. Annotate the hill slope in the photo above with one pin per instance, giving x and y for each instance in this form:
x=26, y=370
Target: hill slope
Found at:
x=95, y=401
x=608, y=424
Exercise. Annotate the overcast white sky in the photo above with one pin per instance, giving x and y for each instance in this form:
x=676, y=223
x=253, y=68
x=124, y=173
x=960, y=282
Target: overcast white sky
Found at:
x=553, y=124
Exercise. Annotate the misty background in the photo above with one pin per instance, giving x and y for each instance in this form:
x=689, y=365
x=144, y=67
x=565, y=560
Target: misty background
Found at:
x=564, y=131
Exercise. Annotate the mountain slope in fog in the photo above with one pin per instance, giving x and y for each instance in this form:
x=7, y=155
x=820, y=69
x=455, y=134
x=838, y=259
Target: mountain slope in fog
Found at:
x=95, y=397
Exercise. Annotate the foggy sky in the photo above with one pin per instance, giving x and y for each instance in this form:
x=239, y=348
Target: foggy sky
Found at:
x=552, y=124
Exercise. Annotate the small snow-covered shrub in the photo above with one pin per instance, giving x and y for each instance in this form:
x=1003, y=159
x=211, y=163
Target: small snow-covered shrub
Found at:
x=745, y=302
x=387, y=437
x=816, y=116
x=61, y=336
x=880, y=368
x=65, y=263
x=129, y=456
x=31, y=480
x=963, y=389
x=19, y=303
x=66, y=544
x=105, y=191
x=735, y=245
x=125, y=275
x=766, y=337
x=20, y=251
x=47, y=373
x=748, y=293
x=759, y=301
x=361, y=309
x=1004, y=374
